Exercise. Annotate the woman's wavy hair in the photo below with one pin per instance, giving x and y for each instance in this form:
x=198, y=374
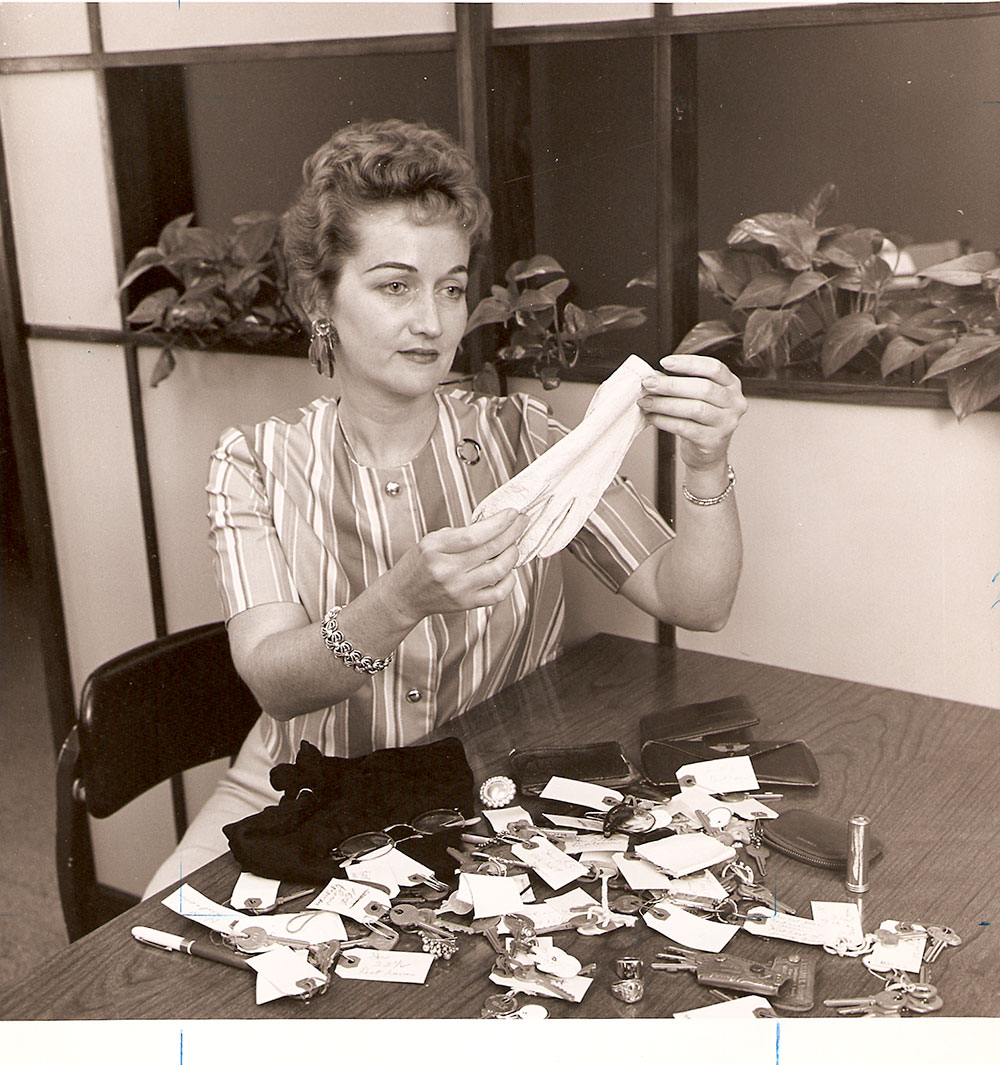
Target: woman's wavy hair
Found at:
x=367, y=164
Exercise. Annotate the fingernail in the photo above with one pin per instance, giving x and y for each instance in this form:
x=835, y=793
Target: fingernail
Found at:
x=650, y=382
x=669, y=360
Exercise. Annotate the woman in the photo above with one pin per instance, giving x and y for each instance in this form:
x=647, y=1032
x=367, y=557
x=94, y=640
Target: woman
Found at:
x=347, y=524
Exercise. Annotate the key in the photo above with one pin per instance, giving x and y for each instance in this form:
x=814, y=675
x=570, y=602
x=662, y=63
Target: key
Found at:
x=505, y=965
x=487, y=927
x=759, y=893
x=500, y=1005
x=923, y=1005
x=254, y=939
x=411, y=919
x=253, y=905
x=759, y=853
x=940, y=938
x=883, y=1002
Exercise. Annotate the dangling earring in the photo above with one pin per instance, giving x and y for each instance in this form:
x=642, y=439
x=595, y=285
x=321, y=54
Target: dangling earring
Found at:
x=322, y=343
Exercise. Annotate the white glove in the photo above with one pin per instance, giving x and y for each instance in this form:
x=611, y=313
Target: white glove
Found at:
x=561, y=488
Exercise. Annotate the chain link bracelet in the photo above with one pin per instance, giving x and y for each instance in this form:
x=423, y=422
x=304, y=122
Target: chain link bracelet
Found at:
x=338, y=643
x=698, y=502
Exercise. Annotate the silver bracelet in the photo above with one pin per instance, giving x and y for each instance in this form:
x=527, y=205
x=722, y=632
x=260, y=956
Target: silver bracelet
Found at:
x=338, y=643
x=714, y=499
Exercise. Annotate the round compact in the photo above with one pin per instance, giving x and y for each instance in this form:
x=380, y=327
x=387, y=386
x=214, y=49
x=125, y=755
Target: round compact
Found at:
x=497, y=792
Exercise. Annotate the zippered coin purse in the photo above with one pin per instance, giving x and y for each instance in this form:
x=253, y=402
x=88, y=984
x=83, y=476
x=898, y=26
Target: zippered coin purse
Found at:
x=813, y=838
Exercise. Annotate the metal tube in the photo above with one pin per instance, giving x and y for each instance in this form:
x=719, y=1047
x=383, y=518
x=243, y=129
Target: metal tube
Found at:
x=857, y=854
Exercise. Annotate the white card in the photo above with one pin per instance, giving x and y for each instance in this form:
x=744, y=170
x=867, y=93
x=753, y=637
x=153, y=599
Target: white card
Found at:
x=907, y=954
x=314, y=926
x=392, y=966
x=639, y=874
x=592, y=841
x=553, y=865
x=261, y=889
x=690, y=931
x=279, y=971
x=580, y=793
x=357, y=901
x=192, y=904
x=786, y=926
x=721, y=775
x=680, y=855
x=500, y=819
x=842, y=920
x=558, y=909
x=743, y=1006
x=493, y=896
x=584, y=824
x=704, y=883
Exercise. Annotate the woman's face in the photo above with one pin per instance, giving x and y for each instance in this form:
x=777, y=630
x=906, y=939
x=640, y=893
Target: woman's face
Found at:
x=399, y=306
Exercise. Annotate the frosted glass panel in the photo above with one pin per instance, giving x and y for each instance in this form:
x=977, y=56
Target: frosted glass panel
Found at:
x=139, y=26
x=710, y=8
x=83, y=415
x=43, y=29
x=507, y=15
x=59, y=199
x=206, y=393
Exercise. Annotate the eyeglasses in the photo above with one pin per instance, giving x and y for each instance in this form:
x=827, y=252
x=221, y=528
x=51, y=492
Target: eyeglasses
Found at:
x=364, y=845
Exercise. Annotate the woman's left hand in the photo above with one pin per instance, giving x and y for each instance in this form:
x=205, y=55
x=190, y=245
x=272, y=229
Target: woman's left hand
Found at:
x=700, y=401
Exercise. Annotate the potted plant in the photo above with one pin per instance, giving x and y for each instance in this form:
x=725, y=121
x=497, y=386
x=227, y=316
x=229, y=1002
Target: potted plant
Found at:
x=224, y=287
x=816, y=300
x=544, y=337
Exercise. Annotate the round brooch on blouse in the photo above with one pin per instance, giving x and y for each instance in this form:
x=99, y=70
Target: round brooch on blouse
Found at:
x=468, y=451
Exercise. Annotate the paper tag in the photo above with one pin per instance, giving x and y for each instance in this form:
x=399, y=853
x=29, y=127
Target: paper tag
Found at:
x=575, y=986
x=392, y=966
x=195, y=906
x=508, y=815
x=559, y=909
x=752, y=810
x=314, y=926
x=584, y=824
x=592, y=841
x=279, y=971
x=720, y=775
x=705, y=884
x=744, y=1006
x=493, y=896
x=392, y=871
x=690, y=931
x=580, y=793
x=841, y=920
x=554, y=866
x=907, y=954
x=260, y=889
x=357, y=901
x=680, y=855
x=639, y=874
x=786, y=926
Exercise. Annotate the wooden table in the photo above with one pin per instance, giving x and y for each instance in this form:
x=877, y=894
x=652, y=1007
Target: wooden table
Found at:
x=924, y=770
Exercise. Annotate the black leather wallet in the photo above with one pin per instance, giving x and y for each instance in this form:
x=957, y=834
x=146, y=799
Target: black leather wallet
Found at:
x=813, y=838
x=596, y=763
x=692, y=721
x=784, y=763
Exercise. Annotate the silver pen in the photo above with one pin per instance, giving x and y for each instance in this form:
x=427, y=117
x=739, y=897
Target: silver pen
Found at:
x=153, y=937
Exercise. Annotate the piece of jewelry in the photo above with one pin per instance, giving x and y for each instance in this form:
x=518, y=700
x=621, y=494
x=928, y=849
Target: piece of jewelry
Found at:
x=468, y=451
x=699, y=502
x=497, y=792
x=322, y=343
x=338, y=643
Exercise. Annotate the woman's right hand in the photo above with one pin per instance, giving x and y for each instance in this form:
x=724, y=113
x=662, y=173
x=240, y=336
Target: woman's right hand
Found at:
x=459, y=568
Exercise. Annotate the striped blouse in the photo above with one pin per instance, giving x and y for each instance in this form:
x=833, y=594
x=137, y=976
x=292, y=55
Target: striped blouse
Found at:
x=295, y=518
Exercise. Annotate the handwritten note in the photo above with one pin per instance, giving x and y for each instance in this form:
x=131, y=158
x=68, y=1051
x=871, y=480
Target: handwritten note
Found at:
x=721, y=775
x=357, y=901
x=554, y=866
x=785, y=926
x=195, y=906
x=392, y=966
x=580, y=793
x=842, y=920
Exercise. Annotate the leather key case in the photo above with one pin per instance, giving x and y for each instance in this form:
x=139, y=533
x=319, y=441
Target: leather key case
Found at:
x=776, y=763
x=692, y=721
x=596, y=763
x=813, y=838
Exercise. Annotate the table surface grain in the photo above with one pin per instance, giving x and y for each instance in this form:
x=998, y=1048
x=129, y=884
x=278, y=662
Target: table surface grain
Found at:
x=924, y=770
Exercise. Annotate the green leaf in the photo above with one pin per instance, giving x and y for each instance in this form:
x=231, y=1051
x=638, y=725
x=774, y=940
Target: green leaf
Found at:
x=900, y=352
x=972, y=387
x=489, y=310
x=793, y=238
x=646, y=280
x=965, y=350
x=173, y=232
x=818, y=203
x=926, y=324
x=765, y=290
x=844, y=339
x=153, y=307
x=764, y=329
x=163, y=369
x=965, y=270
x=554, y=289
x=703, y=336
x=534, y=300
x=142, y=261
x=536, y=266
x=805, y=284
x=727, y=272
